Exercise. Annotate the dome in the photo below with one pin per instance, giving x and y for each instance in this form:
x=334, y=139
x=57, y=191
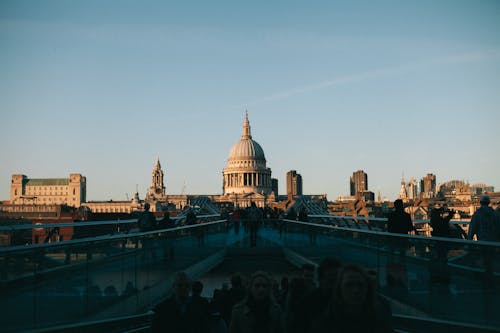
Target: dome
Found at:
x=246, y=148
x=246, y=170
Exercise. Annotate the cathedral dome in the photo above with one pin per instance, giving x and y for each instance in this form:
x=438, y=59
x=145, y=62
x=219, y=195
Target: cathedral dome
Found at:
x=246, y=170
x=246, y=149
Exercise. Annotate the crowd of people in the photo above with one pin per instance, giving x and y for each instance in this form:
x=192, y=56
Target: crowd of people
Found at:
x=342, y=299
x=484, y=224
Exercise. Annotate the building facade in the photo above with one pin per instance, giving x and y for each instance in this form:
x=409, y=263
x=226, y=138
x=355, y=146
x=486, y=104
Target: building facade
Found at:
x=246, y=170
x=293, y=183
x=358, y=182
x=70, y=191
x=428, y=186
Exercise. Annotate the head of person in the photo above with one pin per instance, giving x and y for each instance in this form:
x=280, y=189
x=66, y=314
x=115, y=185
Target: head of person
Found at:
x=354, y=288
x=181, y=285
x=436, y=212
x=260, y=286
x=485, y=200
x=398, y=205
x=197, y=288
x=146, y=206
x=327, y=273
x=253, y=204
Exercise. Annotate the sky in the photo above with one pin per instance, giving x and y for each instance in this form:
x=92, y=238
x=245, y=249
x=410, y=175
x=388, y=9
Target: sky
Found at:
x=394, y=88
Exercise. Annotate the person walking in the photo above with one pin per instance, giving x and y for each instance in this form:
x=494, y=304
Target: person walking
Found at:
x=180, y=313
x=254, y=219
x=485, y=223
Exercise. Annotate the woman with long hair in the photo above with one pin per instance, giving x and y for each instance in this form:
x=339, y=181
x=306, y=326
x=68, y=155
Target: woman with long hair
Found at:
x=355, y=307
x=258, y=312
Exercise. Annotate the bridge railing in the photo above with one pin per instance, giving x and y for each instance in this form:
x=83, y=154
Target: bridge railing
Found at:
x=43, y=285
x=422, y=226
x=431, y=277
x=27, y=234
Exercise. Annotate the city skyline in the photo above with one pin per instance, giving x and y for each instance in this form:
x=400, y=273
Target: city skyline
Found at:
x=102, y=89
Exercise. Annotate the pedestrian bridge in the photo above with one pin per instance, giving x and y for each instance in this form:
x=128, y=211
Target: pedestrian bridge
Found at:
x=110, y=282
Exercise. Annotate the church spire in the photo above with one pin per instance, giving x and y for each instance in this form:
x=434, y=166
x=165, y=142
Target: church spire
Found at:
x=246, y=128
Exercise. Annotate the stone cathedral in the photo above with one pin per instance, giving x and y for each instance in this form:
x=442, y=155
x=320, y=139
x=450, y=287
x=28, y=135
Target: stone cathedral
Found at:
x=246, y=178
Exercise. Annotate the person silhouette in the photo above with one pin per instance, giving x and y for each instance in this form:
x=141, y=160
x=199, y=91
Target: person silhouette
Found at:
x=399, y=221
x=485, y=223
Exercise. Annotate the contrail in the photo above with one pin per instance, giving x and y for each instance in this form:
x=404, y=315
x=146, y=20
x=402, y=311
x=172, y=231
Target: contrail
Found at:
x=380, y=73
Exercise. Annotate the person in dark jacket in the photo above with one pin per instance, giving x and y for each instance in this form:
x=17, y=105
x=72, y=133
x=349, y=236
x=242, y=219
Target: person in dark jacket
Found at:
x=485, y=223
x=399, y=221
x=147, y=220
x=318, y=299
x=353, y=307
x=179, y=313
x=440, y=224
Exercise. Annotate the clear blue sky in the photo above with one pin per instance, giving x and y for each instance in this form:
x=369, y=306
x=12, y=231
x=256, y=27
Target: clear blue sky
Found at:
x=103, y=87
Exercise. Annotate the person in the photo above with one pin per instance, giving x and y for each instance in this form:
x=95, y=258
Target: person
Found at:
x=303, y=214
x=166, y=221
x=179, y=314
x=485, y=223
x=235, y=217
x=293, y=305
x=292, y=214
x=233, y=296
x=190, y=217
x=196, y=298
x=316, y=301
x=254, y=219
x=441, y=224
x=353, y=307
x=399, y=221
x=257, y=312
x=147, y=220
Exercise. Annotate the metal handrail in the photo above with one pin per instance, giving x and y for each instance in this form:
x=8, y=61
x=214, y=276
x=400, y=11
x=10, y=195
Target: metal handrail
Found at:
x=464, y=242
x=380, y=219
x=98, y=239
x=87, y=224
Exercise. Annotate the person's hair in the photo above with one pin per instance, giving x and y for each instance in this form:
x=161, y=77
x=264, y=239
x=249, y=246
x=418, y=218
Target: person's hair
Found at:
x=259, y=274
x=147, y=206
x=398, y=203
x=351, y=268
x=197, y=287
x=485, y=200
x=326, y=265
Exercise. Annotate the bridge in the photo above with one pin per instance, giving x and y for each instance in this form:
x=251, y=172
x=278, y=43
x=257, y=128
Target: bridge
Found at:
x=111, y=282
